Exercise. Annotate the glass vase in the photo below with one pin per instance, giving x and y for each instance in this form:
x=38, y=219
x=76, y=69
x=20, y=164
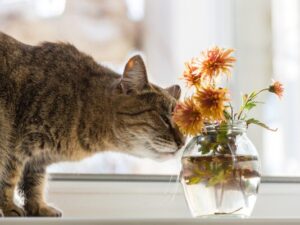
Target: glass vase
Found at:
x=221, y=172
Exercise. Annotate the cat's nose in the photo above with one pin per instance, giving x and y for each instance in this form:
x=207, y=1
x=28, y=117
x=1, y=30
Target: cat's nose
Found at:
x=178, y=137
x=180, y=140
x=179, y=144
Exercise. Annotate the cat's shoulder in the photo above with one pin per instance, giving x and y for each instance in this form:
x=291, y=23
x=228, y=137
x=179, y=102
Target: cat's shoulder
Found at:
x=58, y=46
x=7, y=41
x=6, y=38
x=63, y=51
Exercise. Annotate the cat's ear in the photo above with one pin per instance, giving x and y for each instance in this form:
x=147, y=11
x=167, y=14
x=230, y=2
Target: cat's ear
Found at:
x=134, y=75
x=174, y=90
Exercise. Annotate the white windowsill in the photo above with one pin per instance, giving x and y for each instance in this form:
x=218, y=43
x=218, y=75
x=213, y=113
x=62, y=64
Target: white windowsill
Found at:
x=81, y=221
x=136, y=200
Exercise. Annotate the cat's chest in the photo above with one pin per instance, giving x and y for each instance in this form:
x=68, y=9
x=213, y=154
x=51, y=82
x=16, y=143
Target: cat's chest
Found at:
x=74, y=149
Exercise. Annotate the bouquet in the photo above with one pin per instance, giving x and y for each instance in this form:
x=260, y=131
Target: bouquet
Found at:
x=210, y=103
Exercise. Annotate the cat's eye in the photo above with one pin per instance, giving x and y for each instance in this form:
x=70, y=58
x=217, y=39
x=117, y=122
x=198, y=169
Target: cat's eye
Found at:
x=136, y=113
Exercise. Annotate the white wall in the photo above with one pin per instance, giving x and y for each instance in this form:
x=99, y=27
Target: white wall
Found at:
x=177, y=30
x=253, y=43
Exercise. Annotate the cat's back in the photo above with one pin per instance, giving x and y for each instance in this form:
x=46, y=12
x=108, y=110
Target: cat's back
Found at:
x=8, y=43
x=56, y=60
x=12, y=52
x=49, y=65
x=48, y=57
x=61, y=60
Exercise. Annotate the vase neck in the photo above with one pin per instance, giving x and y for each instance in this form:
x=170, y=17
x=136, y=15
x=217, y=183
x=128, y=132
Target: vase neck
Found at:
x=238, y=126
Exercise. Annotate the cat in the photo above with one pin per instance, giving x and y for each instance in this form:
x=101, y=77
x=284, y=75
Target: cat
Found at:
x=58, y=104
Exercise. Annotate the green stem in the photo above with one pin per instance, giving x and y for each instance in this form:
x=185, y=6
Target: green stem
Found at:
x=262, y=90
x=231, y=111
x=250, y=98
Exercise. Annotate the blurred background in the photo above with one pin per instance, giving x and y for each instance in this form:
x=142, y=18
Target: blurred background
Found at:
x=265, y=34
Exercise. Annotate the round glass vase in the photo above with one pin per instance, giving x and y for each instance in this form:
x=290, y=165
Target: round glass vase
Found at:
x=221, y=172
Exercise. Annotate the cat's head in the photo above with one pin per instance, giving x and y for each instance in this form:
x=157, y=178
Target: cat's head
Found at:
x=144, y=113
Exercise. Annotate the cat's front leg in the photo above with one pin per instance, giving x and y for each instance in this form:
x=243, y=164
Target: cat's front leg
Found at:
x=11, y=174
x=32, y=185
x=41, y=209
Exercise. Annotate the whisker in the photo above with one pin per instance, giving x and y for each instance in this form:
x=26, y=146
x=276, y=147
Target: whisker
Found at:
x=164, y=145
x=177, y=181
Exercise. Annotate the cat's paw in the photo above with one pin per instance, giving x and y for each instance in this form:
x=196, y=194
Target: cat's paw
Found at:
x=1, y=213
x=43, y=210
x=13, y=211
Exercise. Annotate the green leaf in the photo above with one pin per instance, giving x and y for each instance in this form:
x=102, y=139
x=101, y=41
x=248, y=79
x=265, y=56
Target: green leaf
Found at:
x=204, y=148
x=250, y=105
x=252, y=95
x=227, y=115
x=207, y=147
x=258, y=102
x=222, y=133
x=194, y=180
x=258, y=123
x=245, y=98
x=217, y=179
x=222, y=137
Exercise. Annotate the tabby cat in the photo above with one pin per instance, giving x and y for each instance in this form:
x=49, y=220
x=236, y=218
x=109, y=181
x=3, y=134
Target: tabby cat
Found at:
x=58, y=104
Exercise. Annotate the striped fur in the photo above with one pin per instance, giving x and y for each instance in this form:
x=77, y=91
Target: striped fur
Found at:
x=58, y=104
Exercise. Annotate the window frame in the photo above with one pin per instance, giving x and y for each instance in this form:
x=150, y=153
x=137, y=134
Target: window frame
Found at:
x=89, y=177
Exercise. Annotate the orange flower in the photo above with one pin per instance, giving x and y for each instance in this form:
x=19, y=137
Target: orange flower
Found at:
x=215, y=61
x=192, y=72
x=277, y=88
x=188, y=117
x=212, y=102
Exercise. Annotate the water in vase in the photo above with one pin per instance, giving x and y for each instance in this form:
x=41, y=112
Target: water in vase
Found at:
x=221, y=184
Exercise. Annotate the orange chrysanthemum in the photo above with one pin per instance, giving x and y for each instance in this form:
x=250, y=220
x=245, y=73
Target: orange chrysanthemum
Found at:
x=212, y=102
x=188, y=117
x=277, y=88
x=192, y=72
x=215, y=61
